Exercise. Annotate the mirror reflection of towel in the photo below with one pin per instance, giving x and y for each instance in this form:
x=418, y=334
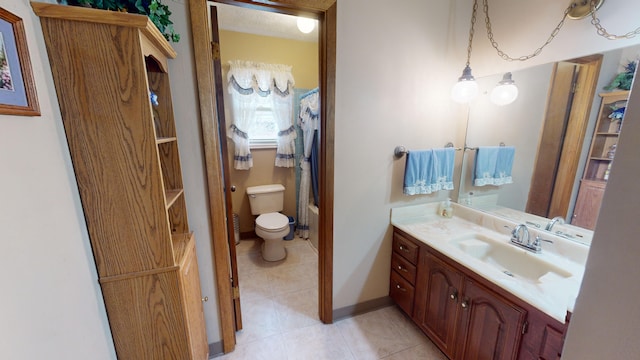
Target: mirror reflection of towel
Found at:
x=504, y=165
x=493, y=165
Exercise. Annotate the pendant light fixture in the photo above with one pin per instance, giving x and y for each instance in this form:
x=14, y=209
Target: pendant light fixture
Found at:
x=466, y=89
x=505, y=92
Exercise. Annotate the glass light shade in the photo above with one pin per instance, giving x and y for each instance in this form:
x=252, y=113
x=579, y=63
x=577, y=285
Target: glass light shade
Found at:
x=505, y=92
x=466, y=89
x=306, y=25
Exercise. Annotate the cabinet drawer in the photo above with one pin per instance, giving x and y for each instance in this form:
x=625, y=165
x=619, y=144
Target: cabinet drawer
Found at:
x=401, y=292
x=404, y=268
x=406, y=248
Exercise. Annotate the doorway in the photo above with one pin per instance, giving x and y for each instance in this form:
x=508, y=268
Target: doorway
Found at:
x=573, y=86
x=274, y=296
x=325, y=12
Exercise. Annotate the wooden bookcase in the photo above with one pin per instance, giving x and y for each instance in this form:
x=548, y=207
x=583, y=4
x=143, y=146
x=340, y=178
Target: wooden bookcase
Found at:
x=596, y=173
x=125, y=157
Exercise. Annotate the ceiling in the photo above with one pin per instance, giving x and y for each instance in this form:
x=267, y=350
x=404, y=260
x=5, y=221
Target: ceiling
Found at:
x=235, y=18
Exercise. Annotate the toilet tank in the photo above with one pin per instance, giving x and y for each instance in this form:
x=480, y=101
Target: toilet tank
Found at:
x=266, y=198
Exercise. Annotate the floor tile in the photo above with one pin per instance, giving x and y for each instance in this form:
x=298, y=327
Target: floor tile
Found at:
x=380, y=333
x=318, y=342
x=259, y=320
x=297, y=309
x=269, y=348
x=280, y=315
x=426, y=351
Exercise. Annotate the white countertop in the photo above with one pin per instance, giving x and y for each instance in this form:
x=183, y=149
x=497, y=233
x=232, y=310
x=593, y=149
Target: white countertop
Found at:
x=552, y=294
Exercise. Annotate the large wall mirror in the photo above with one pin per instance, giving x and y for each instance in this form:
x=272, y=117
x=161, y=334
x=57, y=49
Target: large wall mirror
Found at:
x=552, y=146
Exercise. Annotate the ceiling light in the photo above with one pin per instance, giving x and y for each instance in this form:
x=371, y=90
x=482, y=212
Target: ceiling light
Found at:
x=505, y=92
x=466, y=88
x=306, y=25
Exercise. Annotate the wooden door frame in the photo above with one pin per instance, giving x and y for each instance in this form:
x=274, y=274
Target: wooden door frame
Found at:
x=326, y=13
x=559, y=200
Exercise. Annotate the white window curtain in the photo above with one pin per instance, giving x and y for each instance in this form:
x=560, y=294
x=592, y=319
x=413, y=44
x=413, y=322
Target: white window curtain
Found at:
x=282, y=106
x=252, y=85
x=308, y=120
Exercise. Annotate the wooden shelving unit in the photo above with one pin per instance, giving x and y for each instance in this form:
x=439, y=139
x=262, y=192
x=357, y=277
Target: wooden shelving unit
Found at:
x=601, y=154
x=125, y=157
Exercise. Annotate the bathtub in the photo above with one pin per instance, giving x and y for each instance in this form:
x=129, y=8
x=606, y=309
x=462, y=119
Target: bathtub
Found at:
x=313, y=225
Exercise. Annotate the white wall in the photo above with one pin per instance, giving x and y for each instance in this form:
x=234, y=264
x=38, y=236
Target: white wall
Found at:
x=51, y=305
x=393, y=86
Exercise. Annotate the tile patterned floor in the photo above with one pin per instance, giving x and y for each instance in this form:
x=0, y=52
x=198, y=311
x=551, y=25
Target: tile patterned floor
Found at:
x=280, y=306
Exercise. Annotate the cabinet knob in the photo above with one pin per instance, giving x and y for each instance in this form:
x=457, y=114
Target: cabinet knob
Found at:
x=401, y=268
x=233, y=188
x=205, y=299
x=465, y=303
x=404, y=248
x=454, y=295
x=400, y=287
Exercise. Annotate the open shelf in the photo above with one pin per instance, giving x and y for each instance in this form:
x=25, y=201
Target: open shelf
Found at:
x=180, y=245
x=172, y=196
x=164, y=140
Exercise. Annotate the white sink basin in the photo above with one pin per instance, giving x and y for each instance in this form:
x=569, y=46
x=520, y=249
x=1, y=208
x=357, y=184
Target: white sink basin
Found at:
x=509, y=259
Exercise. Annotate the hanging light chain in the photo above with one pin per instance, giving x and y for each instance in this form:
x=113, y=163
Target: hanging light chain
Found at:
x=506, y=56
x=472, y=31
x=603, y=32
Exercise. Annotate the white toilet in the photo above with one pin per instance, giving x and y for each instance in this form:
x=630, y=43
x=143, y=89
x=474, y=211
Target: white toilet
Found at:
x=266, y=201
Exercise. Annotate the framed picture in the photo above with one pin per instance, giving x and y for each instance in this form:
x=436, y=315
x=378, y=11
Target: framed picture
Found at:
x=17, y=89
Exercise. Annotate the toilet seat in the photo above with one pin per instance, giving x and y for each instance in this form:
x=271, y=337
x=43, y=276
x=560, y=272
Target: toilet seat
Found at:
x=272, y=222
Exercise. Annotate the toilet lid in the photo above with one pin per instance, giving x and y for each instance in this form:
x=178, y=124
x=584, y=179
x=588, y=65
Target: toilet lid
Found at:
x=272, y=221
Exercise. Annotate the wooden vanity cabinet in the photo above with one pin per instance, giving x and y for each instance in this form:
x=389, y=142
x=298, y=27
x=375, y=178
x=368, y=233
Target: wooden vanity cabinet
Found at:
x=437, y=301
x=468, y=317
x=464, y=319
x=403, y=272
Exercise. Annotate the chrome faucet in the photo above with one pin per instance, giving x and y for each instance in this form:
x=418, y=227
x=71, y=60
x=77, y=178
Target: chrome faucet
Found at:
x=520, y=234
x=557, y=219
x=520, y=237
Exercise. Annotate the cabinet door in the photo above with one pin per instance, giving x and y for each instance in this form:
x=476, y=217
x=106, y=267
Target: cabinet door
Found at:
x=490, y=327
x=437, y=302
x=193, y=306
x=588, y=204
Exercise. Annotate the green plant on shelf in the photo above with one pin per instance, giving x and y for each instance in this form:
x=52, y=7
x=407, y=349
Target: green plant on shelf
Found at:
x=157, y=12
x=624, y=79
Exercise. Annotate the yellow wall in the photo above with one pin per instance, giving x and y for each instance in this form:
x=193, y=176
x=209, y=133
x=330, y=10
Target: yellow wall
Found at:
x=303, y=57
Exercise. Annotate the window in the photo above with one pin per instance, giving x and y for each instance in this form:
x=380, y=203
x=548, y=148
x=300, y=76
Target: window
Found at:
x=263, y=130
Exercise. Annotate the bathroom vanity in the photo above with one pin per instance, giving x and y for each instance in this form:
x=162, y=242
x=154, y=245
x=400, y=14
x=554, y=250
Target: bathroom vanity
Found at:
x=475, y=295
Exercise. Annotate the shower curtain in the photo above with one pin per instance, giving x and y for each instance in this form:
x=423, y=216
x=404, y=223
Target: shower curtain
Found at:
x=308, y=120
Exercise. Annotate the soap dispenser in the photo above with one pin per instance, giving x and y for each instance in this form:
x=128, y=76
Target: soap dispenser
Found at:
x=446, y=210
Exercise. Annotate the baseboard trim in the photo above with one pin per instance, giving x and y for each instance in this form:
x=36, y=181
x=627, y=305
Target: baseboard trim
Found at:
x=361, y=308
x=215, y=349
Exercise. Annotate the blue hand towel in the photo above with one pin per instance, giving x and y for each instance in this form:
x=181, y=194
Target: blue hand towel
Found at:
x=504, y=164
x=486, y=159
x=418, y=172
x=443, y=164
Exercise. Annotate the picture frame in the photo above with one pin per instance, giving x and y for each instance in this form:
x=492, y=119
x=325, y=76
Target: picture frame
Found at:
x=17, y=87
